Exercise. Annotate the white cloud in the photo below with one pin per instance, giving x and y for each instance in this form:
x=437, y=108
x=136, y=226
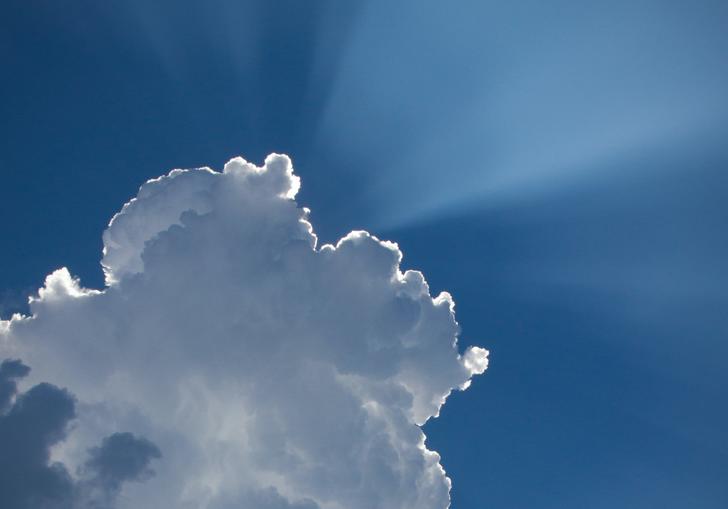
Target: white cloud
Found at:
x=271, y=373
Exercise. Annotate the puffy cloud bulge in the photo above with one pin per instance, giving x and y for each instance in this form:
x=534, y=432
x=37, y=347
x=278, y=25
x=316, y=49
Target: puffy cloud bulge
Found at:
x=270, y=372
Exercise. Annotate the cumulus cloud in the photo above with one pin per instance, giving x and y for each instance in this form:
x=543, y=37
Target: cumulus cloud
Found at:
x=270, y=372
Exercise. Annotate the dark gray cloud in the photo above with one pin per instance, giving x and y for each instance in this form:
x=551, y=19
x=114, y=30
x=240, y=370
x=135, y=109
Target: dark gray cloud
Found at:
x=29, y=427
x=31, y=423
x=121, y=457
x=10, y=371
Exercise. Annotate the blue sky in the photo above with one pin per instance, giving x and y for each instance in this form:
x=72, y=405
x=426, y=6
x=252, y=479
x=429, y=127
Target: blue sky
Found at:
x=559, y=167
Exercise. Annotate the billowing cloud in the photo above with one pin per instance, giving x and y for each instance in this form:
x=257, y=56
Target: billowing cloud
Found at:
x=269, y=371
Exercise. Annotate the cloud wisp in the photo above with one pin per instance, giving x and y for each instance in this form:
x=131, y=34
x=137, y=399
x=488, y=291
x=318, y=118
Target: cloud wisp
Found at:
x=261, y=369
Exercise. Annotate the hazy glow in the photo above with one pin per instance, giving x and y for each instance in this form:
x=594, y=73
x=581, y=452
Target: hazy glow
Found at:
x=493, y=102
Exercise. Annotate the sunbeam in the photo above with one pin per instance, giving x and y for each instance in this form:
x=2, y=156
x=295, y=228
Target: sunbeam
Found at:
x=557, y=168
x=490, y=102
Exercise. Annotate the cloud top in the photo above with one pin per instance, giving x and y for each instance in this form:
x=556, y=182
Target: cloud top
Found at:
x=269, y=371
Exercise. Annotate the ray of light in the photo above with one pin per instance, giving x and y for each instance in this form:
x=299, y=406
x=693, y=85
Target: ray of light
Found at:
x=503, y=101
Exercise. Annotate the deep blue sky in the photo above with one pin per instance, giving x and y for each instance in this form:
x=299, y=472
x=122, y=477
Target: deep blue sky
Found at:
x=559, y=167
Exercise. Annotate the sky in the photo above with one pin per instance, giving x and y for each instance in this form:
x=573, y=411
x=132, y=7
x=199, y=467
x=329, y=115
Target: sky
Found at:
x=559, y=168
